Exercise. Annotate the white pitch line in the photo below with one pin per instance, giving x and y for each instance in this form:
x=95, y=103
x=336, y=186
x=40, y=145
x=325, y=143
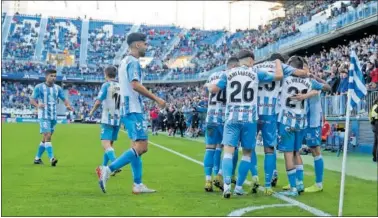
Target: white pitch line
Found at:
x=242, y=211
x=310, y=209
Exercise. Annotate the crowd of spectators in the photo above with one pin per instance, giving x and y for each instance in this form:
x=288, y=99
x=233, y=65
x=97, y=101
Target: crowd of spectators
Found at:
x=103, y=45
x=13, y=66
x=16, y=95
x=62, y=35
x=333, y=65
x=22, y=41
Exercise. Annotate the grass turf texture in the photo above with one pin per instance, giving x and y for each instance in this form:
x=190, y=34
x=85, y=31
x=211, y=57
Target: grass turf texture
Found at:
x=71, y=189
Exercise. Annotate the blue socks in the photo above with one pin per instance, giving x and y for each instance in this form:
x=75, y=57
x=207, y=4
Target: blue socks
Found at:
x=244, y=166
x=108, y=156
x=235, y=160
x=105, y=160
x=136, y=166
x=40, y=151
x=291, y=174
x=253, y=165
x=217, y=160
x=227, y=168
x=49, y=150
x=269, y=168
x=208, y=162
x=110, y=153
x=319, y=169
x=299, y=173
x=124, y=159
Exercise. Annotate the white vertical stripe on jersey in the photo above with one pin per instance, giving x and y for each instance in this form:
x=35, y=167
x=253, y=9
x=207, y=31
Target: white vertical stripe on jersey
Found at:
x=45, y=109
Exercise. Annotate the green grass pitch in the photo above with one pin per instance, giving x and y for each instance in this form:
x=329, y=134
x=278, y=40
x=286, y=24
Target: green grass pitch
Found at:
x=71, y=188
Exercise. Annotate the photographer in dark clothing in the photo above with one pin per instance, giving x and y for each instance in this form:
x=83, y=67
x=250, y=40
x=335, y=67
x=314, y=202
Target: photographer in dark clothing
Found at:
x=195, y=123
x=179, y=122
x=170, y=120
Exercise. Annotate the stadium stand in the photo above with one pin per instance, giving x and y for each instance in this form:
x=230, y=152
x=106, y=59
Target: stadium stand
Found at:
x=202, y=52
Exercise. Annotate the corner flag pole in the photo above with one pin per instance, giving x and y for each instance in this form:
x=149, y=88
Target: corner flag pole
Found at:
x=345, y=151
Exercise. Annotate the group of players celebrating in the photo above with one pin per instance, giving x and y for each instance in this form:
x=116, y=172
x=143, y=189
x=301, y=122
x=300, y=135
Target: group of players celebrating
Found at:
x=280, y=100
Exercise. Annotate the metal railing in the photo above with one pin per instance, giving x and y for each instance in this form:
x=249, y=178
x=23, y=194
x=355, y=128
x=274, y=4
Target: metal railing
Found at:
x=335, y=106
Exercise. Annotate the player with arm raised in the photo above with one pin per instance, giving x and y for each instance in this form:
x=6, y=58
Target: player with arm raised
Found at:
x=241, y=85
x=292, y=122
x=267, y=124
x=133, y=114
x=110, y=98
x=45, y=98
x=214, y=128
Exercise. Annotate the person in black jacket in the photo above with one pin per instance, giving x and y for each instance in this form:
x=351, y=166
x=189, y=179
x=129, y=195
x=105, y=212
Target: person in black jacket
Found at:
x=179, y=122
x=170, y=120
x=195, y=123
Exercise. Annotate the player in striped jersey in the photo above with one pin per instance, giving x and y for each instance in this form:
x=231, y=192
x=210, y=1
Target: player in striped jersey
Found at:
x=110, y=98
x=45, y=98
x=214, y=129
x=241, y=85
x=267, y=103
x=133, y=114
x=292, y=122
x=313, y=138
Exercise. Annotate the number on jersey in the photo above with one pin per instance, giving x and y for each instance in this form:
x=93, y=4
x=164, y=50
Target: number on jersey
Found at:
x=268, y=87
x=247, y=92
x=292, y=103
x=218, y=97
x=117, y=100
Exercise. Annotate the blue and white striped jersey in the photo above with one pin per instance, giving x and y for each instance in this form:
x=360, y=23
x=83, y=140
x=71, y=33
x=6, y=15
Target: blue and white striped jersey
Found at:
x=241, y=85
x=268, y=92
x=48, y=95
x=131, y=101
x=293, y=113
x=110, y=96
x=314, y=111
x=217, y=102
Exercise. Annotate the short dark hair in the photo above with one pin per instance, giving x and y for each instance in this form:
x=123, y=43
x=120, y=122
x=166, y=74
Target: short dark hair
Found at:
x=296, y=62
x=232, y=60
x=135, y=37
x=282, y=58
x=245, y=54
x=111, y=72
x=50, y=71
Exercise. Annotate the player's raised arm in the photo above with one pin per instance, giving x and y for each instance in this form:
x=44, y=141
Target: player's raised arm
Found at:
x=279, y=71
x=214, y=88
x=326, y=87
x=301, y=97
